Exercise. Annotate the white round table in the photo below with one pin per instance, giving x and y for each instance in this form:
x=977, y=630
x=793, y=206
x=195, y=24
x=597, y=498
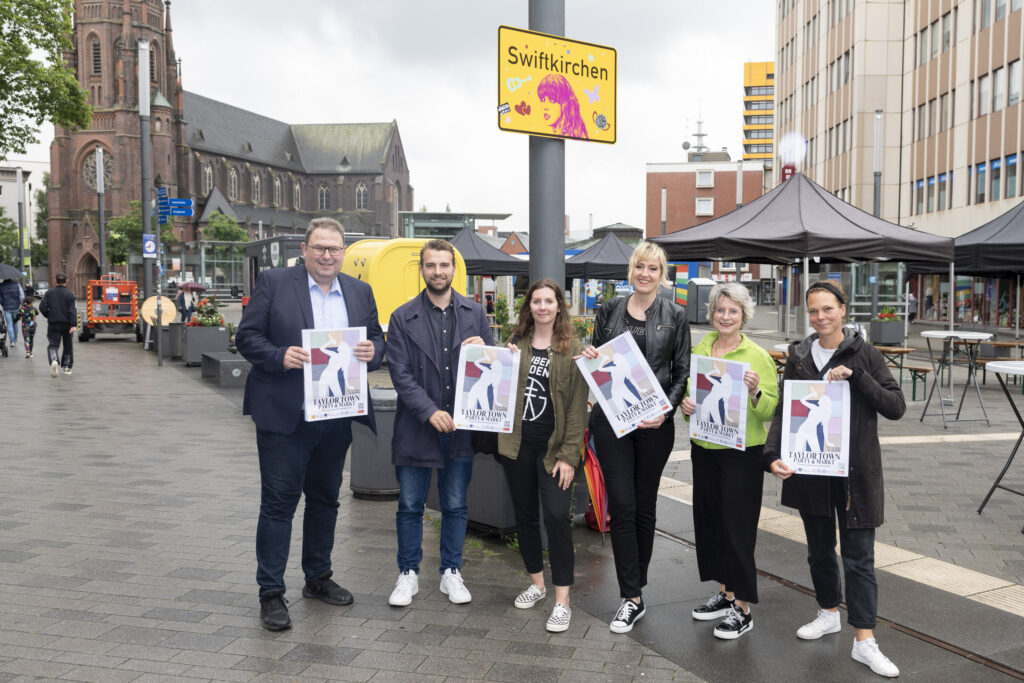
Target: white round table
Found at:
x=972, y=342
x=1014, y=368
x=782, y=347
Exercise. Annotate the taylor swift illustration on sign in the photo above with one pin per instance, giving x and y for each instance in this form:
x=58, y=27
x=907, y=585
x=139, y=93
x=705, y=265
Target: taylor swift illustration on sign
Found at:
x=721, y=397
x=334, y=380
x=624, y=385
x=816, y=427
x=485, y=389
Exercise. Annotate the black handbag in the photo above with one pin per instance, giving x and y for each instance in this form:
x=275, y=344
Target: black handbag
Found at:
x=485, y=442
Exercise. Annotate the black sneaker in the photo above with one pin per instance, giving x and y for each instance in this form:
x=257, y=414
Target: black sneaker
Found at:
x=274, y=612
x=327, y=591
x=716, y=607
x=737, y=622
x=629, y=613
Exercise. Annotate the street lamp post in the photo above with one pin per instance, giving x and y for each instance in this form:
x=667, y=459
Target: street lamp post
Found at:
x=99, y=195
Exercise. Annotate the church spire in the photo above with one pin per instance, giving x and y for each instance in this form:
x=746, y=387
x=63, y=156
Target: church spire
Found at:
x=167, y=31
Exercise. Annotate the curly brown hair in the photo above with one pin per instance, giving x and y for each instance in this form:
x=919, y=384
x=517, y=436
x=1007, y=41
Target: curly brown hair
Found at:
x=563, y=334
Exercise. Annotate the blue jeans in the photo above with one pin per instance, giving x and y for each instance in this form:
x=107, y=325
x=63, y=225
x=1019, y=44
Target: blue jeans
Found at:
x=308, y=461
x=12, y=330
x=413, y=483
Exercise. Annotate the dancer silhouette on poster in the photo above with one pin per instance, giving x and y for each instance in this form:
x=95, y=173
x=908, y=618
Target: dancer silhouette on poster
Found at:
x=481, y=394
x=813, y=433
x=714, y=407
x=332, y=379
x=624, y=392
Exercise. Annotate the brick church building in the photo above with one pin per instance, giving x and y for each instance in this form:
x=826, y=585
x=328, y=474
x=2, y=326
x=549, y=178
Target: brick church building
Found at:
x=251, y=167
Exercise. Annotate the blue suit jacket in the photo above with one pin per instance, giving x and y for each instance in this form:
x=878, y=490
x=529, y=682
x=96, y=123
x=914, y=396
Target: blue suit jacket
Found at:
x=277, y=313
x=416, y=374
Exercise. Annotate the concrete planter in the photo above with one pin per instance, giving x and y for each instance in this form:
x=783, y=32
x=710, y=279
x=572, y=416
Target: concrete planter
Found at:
x=200, y=340
x=886, y=332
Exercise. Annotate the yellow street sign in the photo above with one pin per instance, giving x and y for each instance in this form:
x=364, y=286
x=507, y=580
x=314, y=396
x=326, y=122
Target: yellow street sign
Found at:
x=555, y=87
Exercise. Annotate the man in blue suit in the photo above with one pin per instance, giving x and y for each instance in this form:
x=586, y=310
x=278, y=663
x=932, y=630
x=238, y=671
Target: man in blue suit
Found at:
x=299, y=457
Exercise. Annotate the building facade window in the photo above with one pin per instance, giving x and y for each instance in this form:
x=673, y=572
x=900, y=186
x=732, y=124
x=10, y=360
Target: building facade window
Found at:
x=944, y=112
x=705, y=206
x=1000, y=9
x=983, y=96
x=922, y=44
x=323, y=198
x=979, y=176
x=920, y=197
x=207, y=179
x=277, y=191
x=297, y=195
x=932, y=106
x=942, y=192
x=233, y=185
x=1011, y=176
x=705, y=178
x=97, y=57
x=922, y=122
x=947, y=31
x=996, y=176
x=255, y=188
x=931, y=194
x=998, y=89
x=1013, y=83
x=936, y=36
x=361, y=197
x=985, y=8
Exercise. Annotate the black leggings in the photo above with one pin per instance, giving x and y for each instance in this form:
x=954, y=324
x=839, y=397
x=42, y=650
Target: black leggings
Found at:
x=528, y=481
x=632, y=468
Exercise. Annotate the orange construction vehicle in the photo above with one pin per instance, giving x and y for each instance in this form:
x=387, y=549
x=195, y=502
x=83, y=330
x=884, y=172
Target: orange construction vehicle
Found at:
x=111, y=307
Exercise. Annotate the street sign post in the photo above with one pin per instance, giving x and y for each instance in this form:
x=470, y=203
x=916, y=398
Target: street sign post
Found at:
x=555, y=87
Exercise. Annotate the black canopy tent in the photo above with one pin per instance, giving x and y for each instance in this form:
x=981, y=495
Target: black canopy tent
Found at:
x=607, y=259
x=800, y=219
x=485, y=259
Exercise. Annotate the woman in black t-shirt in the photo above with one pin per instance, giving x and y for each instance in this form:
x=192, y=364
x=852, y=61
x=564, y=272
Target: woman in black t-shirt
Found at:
x=541, y=453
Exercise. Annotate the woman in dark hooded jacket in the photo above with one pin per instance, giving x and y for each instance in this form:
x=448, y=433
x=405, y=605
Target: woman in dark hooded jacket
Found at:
x=853, y=503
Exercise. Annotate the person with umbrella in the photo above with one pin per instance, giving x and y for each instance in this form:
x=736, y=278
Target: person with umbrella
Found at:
x=633, y=464
x=11, y=296
x=27, y=314
x=727, y=482
x=542, y=451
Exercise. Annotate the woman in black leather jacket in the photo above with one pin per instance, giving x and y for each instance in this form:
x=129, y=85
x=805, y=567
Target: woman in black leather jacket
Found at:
x=633, y=464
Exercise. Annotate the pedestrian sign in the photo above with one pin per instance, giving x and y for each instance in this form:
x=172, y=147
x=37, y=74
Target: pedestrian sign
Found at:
x=148, y=246
x=555, y=87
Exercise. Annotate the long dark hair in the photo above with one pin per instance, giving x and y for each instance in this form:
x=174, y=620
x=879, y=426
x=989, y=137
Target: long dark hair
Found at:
x=563, y=334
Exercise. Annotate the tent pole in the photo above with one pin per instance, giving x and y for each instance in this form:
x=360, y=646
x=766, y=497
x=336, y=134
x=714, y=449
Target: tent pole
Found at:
x=789, y=300
x=952, y=296
x=776, y=272
x=806, y=281
x=1016, y=323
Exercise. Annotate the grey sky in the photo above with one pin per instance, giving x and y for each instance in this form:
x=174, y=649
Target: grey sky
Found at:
x=432, y=66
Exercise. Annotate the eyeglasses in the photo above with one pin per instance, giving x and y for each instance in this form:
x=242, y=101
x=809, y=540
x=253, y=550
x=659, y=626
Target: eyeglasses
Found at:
x=319, y=250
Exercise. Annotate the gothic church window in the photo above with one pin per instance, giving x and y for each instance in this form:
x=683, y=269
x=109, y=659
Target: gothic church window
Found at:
x=361, y=197
x=297, y=195
x=277, y=191
x=97, y=57
x=255, y=188
x=207, y=179
x=233, y=185
x=323, y=198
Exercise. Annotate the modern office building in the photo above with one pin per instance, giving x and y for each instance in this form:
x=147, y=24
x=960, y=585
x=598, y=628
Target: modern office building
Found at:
x=943, y=80
x=759, y=115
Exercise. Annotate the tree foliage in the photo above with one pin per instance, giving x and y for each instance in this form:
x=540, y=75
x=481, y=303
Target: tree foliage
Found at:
x=124, y=234
x=8, y=240
x=40, y=245
x=35, y=83
x=224, y=228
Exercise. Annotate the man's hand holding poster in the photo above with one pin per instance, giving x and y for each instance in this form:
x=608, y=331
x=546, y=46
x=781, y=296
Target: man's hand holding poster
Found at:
x=334, y=379
x=624, y=385
x=717, y=388
x=816, y=427
x=485, y=389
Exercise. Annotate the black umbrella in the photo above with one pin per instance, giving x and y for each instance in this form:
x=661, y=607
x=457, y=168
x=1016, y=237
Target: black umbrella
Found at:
x=9, y=272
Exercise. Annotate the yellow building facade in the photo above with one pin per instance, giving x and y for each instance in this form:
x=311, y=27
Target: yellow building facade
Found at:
x=759, y=115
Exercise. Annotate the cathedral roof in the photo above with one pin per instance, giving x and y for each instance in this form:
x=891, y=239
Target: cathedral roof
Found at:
x=219, y=128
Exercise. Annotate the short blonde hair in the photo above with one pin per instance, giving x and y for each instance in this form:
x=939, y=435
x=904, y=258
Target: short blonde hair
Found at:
x=649, y=251
x=736, y=292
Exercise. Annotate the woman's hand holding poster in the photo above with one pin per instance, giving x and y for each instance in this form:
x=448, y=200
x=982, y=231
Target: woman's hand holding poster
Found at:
x=816, y=427
x=717, y=388
x=624, y=385
x=485, y=388
x=334, y=379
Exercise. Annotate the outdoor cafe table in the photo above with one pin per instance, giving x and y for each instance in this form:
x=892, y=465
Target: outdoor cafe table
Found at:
x=894, y=355
x=1015, y=369
x=972, y=342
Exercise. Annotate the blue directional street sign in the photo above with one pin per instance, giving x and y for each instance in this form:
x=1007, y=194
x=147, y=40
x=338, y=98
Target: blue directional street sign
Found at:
x=180, y=202
x=161, y=191
x=180, y=211
x=162, y=219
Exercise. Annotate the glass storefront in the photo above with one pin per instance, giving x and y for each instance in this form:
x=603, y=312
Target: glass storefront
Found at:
x=983, y=301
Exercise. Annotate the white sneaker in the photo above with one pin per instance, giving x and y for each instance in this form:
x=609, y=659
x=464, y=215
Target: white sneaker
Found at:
x=530, y=597
x=408, y=585
x=53, y=368
x=826, y=622
x=67, y=371
x=560, y=618
x=454, y=588
x=867, y=652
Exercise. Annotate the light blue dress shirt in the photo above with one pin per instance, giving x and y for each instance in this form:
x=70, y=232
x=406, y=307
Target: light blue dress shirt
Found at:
x=329, y=311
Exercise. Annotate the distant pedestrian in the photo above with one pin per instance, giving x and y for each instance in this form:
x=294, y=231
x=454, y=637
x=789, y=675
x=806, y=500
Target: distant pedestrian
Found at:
x=58, y=305
x=911, y=307
x=27, y=315
x=11, y=296
x=854, y=504
x=179, y=301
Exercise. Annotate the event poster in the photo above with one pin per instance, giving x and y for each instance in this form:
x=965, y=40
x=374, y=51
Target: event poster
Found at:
x=717, y=389
x=624, y=384
x=485, y=389
x=334, y=379
x=816, y=427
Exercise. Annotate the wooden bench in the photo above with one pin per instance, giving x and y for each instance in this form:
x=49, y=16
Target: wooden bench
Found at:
x=780, y=361
x=917, y=372
x=226, y=368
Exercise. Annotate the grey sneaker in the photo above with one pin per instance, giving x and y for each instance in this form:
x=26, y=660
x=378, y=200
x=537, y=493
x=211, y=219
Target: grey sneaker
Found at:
x=530, y=597
x=560, y=618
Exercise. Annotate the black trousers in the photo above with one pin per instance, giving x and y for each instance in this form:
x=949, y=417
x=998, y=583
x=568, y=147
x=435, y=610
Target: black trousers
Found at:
x=57, y=334
x=531, y=486
x=632, y=468
x=857, y=549
x=727, y=487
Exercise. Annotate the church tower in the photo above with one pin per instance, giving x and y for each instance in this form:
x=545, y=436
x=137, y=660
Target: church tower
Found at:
x=104, y=54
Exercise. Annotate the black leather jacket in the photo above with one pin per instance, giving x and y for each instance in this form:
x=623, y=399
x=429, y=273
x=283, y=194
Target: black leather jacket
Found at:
x=668, y=341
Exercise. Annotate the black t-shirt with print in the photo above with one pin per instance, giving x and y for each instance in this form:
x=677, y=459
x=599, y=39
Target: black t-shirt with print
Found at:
x=538, y=410
x=637, y=328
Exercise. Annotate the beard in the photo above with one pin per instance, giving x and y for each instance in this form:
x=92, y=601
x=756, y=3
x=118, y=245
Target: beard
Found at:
x=439, y=288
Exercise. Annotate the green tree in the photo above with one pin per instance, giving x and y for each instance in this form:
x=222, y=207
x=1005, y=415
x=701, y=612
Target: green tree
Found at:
x=224, y=229
x=35, y=83
x=40, y=245
x=124, y=234
x=8, y=240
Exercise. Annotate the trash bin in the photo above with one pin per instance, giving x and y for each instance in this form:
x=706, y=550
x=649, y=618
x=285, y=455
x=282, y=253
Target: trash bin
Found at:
x=488, y=500
x=697, y=291
x=371, y=474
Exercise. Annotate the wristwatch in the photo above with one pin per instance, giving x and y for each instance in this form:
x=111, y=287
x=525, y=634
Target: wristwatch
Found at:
x=756, y=396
